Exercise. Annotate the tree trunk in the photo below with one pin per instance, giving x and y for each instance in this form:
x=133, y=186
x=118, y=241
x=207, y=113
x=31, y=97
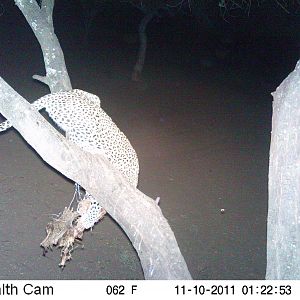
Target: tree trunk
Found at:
x=41, y=23
x=138, y=68
x=138, y=215
x=283, y=237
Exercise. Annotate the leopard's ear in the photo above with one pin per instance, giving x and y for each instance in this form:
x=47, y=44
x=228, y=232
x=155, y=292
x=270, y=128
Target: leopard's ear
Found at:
x=78, y=92
x=91, y=97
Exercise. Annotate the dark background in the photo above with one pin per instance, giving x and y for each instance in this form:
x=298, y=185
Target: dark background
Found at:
x=200, y=122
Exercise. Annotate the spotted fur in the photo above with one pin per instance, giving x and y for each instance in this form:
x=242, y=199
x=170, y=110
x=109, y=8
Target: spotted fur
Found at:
x=80, y=115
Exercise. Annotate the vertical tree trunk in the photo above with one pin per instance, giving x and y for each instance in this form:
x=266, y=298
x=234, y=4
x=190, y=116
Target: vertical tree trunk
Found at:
x=41, y=22
x=138, y=68
x=283, y=238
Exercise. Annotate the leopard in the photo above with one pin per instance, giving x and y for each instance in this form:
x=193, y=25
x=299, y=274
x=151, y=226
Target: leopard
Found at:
x=79, y=115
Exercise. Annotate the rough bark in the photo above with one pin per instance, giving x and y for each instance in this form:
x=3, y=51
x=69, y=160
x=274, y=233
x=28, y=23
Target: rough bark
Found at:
x=283, y=237
x=41, y=22
x=138, y=215
x=138, y=68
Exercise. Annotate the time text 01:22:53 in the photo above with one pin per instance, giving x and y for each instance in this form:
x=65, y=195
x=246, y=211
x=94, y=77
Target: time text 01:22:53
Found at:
x=218, y=289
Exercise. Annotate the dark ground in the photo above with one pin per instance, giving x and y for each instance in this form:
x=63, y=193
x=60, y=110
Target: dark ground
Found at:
x=201, y=132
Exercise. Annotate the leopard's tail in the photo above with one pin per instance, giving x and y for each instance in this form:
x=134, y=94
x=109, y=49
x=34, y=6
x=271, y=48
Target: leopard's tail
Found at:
x=37, y=104
x=5, y=125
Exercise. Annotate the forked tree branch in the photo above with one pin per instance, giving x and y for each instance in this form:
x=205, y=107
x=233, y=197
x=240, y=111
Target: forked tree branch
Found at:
x=138, y=215
x=41, y=22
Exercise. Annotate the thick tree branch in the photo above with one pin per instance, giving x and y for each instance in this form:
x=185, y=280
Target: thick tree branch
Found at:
x=47, y=7
x=41, y=23
x=138, y=215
